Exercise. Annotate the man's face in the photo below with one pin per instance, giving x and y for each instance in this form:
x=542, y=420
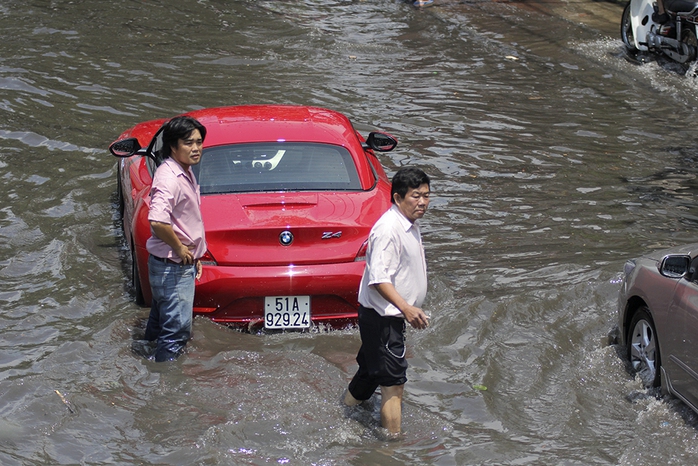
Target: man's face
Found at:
x=188, y=151
x=414, y=204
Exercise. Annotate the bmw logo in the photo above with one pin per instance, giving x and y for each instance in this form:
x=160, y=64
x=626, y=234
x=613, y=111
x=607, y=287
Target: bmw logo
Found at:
x=286, y=238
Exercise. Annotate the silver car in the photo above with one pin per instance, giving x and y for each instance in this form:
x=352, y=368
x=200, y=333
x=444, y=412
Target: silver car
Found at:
x=658, y=320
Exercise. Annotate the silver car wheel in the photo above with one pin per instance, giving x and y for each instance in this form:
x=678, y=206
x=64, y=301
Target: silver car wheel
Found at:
x=643, y=349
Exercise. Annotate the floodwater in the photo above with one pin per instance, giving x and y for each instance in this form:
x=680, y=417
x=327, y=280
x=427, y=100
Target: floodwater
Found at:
x=553, y=158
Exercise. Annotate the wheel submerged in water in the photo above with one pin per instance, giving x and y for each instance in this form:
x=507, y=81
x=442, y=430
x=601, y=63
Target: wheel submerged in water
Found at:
x=643, y=348
x=688, y=37
x=626, y=30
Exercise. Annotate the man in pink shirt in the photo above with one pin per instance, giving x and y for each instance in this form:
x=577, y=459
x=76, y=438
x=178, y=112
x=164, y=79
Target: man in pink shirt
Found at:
x=178, y=241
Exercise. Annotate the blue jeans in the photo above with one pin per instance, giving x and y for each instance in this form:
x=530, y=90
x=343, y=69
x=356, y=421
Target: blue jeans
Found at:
x=172, y=307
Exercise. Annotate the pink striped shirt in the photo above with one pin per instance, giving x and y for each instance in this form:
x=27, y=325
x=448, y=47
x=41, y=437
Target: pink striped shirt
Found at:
x=175, y=200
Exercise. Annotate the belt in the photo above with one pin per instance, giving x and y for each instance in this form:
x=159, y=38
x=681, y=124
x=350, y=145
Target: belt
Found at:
x=378, y=314
x=167, y=261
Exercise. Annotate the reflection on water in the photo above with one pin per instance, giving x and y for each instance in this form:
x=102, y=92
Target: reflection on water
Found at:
x=553, y=159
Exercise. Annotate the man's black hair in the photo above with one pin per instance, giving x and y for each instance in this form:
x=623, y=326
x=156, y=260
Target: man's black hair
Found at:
x=178, y=128
x=407, y=178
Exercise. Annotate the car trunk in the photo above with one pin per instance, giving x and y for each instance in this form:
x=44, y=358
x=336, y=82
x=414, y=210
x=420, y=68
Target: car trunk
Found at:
x=327, y=227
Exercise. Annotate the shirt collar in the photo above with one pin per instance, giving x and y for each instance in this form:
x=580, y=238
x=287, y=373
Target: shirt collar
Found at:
x=177, y=168
x=404, y=222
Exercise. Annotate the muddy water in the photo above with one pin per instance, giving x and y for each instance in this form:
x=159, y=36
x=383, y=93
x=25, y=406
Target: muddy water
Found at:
x=553, y=158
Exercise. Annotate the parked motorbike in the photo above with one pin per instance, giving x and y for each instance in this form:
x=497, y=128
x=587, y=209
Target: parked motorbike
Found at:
x=675, y=39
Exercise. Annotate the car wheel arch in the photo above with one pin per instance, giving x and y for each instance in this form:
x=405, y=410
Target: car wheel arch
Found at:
x=633, y=305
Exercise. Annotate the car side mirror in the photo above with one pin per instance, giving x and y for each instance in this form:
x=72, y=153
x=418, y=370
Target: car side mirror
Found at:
x=675, y=265
x=125, y=147
x=380, y=142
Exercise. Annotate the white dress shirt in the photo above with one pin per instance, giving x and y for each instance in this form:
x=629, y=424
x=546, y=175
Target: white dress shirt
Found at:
x=395, y=255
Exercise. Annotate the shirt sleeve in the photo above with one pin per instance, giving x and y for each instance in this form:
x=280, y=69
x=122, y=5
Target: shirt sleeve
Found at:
x=161, y=201
x=383, y=257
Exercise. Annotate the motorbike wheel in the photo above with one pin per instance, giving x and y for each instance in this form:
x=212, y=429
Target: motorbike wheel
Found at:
x=626, y=30
x=688, y=37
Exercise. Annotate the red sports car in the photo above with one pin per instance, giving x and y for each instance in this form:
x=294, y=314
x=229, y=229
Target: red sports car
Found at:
x=288, y=197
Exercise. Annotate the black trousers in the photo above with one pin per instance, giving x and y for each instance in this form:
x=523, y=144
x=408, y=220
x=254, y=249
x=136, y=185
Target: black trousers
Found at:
x=381, y=357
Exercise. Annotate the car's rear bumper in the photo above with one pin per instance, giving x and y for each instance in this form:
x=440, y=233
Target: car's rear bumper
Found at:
x=235, y=295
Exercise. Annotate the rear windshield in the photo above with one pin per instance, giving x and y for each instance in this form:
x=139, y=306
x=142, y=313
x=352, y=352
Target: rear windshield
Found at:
x=287, y=166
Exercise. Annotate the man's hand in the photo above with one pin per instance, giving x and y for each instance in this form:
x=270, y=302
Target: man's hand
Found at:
x=165, y=232
x=185, y=254
x=416, y=317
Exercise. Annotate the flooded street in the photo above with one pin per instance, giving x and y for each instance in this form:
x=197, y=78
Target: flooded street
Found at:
x=553, y=160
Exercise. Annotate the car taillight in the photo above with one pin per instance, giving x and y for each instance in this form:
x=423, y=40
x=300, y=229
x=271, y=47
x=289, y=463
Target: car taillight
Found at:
x=361, y=255
x=207, y=259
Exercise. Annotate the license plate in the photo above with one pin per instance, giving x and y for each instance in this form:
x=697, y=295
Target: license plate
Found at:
x=286, y=312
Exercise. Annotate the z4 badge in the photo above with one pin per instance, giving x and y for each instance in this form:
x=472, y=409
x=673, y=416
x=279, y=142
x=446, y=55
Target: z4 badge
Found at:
x=330, y=235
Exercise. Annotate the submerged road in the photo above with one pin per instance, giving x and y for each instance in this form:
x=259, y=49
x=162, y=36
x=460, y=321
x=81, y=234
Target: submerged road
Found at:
x=603, y=15
x=600, y=15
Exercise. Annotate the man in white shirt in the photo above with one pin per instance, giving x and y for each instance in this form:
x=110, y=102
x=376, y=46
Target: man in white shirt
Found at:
x=393, y=287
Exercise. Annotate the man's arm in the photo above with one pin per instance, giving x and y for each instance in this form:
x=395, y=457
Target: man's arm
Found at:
x=414, y=315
